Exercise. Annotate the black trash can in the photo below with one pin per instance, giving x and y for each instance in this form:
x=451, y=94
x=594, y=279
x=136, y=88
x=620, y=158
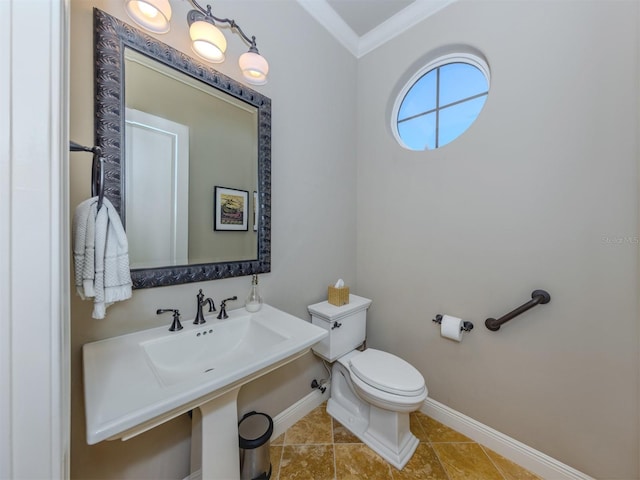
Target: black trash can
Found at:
x=254, y=431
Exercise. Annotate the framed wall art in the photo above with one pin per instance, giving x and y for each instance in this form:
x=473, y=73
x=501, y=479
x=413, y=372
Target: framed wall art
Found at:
x=231, y=209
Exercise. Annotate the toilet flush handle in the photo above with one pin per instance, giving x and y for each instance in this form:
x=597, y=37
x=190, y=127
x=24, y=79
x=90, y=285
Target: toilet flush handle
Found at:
x=335, y=325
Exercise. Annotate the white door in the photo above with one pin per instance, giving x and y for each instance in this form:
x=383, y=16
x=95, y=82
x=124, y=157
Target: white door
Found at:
x=156, y=190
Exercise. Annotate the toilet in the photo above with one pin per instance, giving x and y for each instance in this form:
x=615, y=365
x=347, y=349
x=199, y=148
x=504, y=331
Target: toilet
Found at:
x=372, y=392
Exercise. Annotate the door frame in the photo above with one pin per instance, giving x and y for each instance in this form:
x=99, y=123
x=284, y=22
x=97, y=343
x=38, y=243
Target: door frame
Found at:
x=34, y=240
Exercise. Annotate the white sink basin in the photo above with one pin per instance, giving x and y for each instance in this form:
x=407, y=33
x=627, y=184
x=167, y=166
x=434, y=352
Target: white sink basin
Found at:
x=202, y=351
x=137, y=381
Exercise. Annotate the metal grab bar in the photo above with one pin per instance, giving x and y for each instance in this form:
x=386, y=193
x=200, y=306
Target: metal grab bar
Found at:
x=537, y=297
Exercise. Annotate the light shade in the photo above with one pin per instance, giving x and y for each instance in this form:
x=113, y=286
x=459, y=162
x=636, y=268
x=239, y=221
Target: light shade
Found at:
x=208, y=41
x=254, y=68
x=153, y=15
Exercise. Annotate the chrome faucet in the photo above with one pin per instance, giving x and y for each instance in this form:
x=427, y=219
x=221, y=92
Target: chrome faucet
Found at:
x=223, y=307
x=201, y=301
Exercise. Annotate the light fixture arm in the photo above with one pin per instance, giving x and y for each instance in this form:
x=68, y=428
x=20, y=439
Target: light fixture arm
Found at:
x=232, y=24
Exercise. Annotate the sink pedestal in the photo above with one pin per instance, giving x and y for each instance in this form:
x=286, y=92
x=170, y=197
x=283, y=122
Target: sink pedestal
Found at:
x=214, y=438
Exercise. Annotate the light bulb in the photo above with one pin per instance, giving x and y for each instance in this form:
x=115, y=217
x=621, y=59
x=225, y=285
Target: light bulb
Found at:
x=254, y=68
x=147, y=10
x=209, y=42
x=152, y=15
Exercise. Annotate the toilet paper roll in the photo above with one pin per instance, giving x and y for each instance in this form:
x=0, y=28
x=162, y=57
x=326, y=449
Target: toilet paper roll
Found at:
x=451, y=327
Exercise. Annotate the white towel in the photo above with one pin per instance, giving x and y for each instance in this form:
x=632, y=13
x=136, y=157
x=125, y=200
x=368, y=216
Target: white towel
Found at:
x=84, y=227
x=113, y=277
x=106, y=255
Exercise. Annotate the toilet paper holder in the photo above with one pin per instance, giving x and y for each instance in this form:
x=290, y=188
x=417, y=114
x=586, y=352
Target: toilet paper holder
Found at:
x=466, y=326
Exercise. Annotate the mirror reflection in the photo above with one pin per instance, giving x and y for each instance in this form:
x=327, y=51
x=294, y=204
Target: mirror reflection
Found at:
x=183, y=139
x=187, y=160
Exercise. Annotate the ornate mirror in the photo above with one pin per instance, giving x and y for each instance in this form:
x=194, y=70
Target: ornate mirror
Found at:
x=187, y=160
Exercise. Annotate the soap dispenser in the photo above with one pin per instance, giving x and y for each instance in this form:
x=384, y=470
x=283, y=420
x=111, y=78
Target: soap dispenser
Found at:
x=254, y=300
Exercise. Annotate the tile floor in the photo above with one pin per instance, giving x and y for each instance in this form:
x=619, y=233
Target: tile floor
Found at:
x=319, y=448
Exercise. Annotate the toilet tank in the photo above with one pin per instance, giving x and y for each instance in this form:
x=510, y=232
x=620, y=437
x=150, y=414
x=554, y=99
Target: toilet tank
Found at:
x=347, y=326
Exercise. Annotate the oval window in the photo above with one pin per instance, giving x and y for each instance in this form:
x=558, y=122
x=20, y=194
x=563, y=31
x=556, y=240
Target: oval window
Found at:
x=440, y=102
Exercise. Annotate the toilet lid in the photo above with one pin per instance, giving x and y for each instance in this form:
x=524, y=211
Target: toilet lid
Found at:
x=387, y=372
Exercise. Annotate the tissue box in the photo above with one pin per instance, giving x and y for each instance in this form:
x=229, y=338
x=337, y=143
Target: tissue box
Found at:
x=338, y=296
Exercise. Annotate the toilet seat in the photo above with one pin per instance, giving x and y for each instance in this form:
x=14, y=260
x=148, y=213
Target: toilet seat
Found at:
x=391, y=383
x=388, y=373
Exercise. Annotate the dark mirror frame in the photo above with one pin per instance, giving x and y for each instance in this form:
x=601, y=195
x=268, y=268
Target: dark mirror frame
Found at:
x=111, y=36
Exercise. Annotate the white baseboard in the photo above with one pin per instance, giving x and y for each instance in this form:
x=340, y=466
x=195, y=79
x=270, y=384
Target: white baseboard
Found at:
x=525, y=456
x=284, y=420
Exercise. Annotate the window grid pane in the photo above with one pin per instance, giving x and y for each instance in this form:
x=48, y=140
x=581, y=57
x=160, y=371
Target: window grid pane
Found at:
x=419, y=133
x=420, y=99
x=454, y=121
x=460, y=81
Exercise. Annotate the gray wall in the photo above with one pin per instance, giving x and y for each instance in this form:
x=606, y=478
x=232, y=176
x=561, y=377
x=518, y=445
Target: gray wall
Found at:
x=313, y=213
x=541, y=192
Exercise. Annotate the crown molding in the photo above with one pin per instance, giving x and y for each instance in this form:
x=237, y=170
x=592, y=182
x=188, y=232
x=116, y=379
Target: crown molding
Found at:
x=391, y=28
x=335, y=25
x=399, y=23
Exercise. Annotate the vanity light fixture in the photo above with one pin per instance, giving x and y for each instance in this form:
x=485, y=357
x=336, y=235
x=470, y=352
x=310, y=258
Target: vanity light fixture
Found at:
x=154, y=15
x=207, y=40
x=209, y=43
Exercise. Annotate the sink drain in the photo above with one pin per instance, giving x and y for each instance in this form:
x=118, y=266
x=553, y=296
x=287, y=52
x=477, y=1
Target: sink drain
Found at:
x=209, y=369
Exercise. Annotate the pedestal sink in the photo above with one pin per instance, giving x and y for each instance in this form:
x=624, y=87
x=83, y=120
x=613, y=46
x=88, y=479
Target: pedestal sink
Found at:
x=138, y=381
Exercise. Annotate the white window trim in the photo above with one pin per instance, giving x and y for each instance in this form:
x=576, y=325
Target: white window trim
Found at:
x=459, y=57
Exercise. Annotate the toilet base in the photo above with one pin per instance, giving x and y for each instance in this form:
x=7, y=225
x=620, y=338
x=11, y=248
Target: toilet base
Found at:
x=382, y=433
x=386, y=432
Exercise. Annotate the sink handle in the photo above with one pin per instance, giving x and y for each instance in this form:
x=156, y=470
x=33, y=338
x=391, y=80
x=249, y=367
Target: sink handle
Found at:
x=175, y=325
x=223, y=307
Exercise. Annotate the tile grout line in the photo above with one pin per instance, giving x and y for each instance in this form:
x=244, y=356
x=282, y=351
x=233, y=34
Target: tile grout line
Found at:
x=444, y=469
x=335, y=463
x=456, y=443
x=493, y=463
x=333, y=448
x=435, y=452
x=284, y=439
x=280, y=463
x=325, y=443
